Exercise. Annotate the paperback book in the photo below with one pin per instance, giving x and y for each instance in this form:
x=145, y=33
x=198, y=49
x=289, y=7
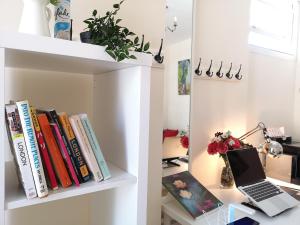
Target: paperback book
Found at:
x=33, y=149
x=192, y=195
x=19, y=150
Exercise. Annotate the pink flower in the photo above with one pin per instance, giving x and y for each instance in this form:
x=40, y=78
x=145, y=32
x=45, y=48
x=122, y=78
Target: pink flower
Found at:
x=212, y=148
x=222, y=148
x=233, y=142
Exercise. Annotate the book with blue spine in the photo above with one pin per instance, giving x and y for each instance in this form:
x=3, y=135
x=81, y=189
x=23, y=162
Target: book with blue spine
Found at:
x=32, y=147
x=95, y=145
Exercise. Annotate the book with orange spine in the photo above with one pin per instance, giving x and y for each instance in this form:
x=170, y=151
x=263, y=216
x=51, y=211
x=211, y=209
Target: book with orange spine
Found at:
x=64, y=153
x=43, y=150
x=54, y=151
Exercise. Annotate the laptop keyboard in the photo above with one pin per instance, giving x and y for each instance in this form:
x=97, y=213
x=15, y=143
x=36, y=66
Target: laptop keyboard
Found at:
x=262, y=191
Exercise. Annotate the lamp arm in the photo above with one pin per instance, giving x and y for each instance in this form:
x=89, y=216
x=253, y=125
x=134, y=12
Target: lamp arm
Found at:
x=260, y=126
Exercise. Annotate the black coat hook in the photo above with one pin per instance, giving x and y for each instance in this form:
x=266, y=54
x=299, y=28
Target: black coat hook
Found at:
x=197, y=71
x=219, y=71
x=208, y=72
x=228, y=75
x=238, y=76
x=159, y=58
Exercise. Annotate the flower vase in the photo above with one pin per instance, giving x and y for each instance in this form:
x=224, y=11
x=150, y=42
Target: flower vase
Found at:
x=35, y=17
x=227, y=180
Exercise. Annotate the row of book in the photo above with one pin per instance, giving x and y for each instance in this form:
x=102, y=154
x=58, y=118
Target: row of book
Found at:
x=52, y=149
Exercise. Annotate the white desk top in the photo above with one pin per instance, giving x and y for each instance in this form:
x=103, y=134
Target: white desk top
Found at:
x=176, y=211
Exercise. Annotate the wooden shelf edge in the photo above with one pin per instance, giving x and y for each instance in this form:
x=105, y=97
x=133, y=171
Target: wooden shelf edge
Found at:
x=17, y=199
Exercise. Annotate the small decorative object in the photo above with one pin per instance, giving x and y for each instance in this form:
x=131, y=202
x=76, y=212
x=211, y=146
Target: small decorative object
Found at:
x=35, y=17
x=184, y=77
x=159, y=58
x=118, y=41
x=62, y=27
x=221, y=143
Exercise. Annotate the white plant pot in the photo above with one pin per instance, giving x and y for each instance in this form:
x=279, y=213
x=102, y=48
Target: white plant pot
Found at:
x=35, y=17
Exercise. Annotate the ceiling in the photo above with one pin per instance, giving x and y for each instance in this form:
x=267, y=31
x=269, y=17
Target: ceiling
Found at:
x=183, y=10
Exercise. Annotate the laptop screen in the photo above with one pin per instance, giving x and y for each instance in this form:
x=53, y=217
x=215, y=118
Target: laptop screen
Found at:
x=246, y=166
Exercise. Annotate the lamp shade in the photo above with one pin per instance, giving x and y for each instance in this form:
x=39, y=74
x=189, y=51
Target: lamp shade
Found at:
x=273, y=148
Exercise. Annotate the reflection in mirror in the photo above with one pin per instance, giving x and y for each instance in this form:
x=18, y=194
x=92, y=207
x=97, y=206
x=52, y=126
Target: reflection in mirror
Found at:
x=263, y=61
x=177, y=85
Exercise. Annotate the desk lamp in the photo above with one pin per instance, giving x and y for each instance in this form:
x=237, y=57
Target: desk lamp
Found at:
x=270, y=147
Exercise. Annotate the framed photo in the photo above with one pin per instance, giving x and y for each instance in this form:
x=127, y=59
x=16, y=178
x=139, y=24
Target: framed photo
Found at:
x=184, y=77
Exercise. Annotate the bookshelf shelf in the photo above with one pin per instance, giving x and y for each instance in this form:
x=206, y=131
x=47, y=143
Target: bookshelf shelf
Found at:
x=44, y=53
x=17, y=199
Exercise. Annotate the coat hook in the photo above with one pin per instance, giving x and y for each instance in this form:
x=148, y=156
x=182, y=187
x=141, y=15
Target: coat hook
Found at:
x=208, y=72
x=158, y=58
x=197, y=71
x=228, y=75
x=238, y=76
x=219, y=71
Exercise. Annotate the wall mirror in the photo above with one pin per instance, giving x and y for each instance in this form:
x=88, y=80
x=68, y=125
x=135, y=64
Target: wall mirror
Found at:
x=263, y=37
x=177, y=85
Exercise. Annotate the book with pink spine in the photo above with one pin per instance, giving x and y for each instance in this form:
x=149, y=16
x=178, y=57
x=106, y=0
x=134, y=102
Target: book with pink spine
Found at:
x=64, y=153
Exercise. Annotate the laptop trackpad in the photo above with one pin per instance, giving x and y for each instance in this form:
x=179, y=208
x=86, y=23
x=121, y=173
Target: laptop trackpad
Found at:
x=279, y=203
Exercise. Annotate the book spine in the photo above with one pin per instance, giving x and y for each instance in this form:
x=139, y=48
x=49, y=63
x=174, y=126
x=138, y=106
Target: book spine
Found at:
x=32, y=147
x=19, y=150
x=86, y=148
x=95, y=146
x=75, y=149
x=55, y=154
x=44, y=151
x=55, y=119
x=64, y=153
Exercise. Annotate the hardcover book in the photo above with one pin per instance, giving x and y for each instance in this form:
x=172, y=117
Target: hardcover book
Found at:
x=75, y=149
x=86, y=147
x=33, y=149
x=64, y=153
x=44, y=151
x=95, y=145
x=55, y=154
x=19, y=150
x=192, y=195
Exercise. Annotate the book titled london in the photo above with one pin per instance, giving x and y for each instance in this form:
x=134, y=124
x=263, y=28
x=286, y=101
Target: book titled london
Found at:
x=33, y=150
x=18, y=147
x=192, y=195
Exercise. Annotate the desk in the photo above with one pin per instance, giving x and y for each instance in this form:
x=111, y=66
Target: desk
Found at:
x=172, y=209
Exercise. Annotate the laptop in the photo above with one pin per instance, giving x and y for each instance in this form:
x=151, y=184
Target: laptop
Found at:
x=250, y=179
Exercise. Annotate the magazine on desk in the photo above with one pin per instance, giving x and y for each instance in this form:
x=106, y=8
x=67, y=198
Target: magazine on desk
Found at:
x=192, y=195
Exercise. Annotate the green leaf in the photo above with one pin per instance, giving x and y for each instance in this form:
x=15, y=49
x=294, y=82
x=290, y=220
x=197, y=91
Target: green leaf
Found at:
x=111, y=53
x=95, y=12
x=131, y=33
x=136, y=40
x=116, y=6
x=118, y=21
x=132, y=57
x=146, y=47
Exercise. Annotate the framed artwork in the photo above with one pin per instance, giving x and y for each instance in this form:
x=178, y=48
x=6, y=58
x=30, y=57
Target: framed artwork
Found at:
x=184, y=77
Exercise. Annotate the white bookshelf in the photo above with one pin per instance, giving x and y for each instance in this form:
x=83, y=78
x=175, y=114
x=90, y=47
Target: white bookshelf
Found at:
x=121, y=115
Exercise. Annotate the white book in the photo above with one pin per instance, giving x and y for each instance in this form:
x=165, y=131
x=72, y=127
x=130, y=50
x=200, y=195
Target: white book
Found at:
x=32, y=148
x=19, y=150
x=86, y=148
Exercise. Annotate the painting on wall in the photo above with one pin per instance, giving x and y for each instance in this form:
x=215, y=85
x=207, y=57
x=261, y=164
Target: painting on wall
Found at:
x=184, y=77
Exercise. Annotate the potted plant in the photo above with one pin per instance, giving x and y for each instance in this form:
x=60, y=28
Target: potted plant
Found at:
x=119, y=41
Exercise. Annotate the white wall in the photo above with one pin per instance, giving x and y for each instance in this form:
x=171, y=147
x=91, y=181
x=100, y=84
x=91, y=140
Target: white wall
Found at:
x=271, y=92
x=176, y=107
x=135, y=14
x=220, y=34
